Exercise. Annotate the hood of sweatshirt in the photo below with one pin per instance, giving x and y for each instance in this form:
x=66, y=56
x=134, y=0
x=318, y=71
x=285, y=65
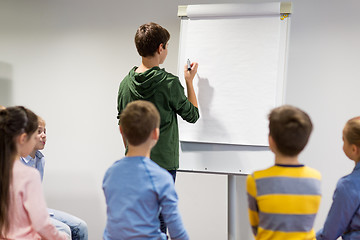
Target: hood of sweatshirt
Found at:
x=145, y=84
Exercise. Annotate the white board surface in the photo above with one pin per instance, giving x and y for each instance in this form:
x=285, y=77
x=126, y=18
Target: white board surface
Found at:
x=241, y=72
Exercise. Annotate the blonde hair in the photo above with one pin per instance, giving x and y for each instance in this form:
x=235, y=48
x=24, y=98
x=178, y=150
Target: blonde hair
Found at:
x=2, y=107
x=41, y=121
x=352, y=131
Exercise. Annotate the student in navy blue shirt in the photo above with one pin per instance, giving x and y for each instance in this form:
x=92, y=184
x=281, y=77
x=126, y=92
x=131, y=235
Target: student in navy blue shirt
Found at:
x=344, y=215
x=136, y=189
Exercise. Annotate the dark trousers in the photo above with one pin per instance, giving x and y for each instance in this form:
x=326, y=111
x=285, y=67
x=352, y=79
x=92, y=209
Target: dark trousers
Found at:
x=161, y=218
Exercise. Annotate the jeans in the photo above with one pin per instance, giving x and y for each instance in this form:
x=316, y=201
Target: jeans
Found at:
x=73, y=226
x=161, y=218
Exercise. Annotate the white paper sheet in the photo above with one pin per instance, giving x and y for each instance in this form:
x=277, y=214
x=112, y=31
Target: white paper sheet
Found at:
x=237, y=77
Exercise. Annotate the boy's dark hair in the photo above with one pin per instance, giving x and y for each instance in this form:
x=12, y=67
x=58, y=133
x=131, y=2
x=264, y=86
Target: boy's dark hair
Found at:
x=352, y=131
x=138, y=120
x=148, y=38
x=290, y=128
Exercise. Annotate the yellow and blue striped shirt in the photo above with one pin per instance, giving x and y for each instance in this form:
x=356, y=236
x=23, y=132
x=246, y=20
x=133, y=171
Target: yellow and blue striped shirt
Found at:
x=283, y=202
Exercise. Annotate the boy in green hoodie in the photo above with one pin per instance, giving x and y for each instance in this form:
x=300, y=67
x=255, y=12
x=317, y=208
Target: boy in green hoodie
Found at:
x=151, y=83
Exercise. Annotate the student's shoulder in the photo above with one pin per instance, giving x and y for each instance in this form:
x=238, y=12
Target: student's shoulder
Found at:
x=169, y=74
x=150, y=164
x=116, y=171
x=156, y=171
x=20, y=167
x=348, y=186
x=27, y=173
x=129, y=76
x=312, y=172
x=264, y=172
x=169, y=77
x=350, y=181
x=115, y=165
x=287, y=171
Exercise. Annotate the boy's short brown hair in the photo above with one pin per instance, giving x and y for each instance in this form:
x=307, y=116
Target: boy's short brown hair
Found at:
x=290, y=128
x=148, y=38
x=138, y=120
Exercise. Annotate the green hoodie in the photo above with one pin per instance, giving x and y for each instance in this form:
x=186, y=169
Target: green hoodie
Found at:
x=165, y=91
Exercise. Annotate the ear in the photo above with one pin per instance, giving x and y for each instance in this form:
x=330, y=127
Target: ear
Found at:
x=160, y=48
x=122, y=132
x=22, y=138
x=272, y=144
x=155, y=134
x=355, y=149
x=123, y=136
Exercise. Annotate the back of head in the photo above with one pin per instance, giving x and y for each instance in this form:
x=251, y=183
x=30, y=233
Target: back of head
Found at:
x=290, y=128
x=148, y=38
x=17, y=120
x=138, y=120
x=352, y=131
x=13, y=122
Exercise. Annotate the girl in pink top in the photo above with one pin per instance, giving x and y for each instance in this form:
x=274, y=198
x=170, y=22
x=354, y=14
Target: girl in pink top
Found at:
x=23, y=213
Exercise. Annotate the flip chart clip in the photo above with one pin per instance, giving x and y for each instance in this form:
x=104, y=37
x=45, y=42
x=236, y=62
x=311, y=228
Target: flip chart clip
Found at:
x=283, y=16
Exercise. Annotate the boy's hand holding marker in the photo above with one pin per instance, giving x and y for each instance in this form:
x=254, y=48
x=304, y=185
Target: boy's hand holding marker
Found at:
x=189, y=77
x=190, y=70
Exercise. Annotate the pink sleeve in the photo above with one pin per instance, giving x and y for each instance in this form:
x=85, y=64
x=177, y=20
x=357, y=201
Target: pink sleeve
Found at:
x=34, y=203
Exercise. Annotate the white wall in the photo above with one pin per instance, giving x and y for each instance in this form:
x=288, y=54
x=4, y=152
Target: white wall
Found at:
x=66, y=59
x=323, y=79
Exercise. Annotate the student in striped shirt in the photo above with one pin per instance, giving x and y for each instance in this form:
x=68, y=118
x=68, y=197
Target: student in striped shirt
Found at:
x=284, y=199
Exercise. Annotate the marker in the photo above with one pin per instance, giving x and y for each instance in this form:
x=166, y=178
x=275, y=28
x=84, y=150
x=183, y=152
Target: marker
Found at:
x=189, y=65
